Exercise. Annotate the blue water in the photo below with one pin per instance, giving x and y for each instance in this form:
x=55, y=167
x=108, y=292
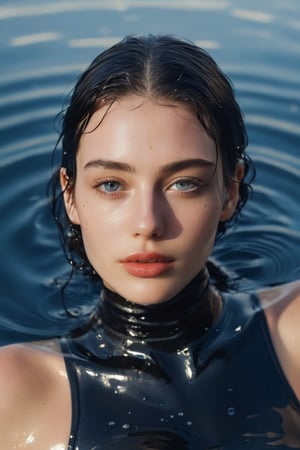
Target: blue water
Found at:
x=43, y=47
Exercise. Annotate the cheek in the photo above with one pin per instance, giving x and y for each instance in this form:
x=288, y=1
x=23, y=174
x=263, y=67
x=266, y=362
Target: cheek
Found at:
x=203, y=219
x=98, y=228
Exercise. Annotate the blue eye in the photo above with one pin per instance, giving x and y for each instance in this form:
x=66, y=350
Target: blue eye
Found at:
x=109, y=186
x=185, y=185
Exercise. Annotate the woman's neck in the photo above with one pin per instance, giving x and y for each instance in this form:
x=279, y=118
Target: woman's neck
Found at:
x=190, y=313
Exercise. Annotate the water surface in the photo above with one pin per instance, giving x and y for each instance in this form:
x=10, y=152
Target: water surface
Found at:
x=44, y=46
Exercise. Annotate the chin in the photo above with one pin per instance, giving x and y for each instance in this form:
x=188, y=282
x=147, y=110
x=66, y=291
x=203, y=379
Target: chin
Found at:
x=147, y=296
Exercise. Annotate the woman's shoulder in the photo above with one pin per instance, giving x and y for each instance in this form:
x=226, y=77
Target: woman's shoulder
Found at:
x=21, y=364
x=283, y=292
x=34, y=396
x=281, y=305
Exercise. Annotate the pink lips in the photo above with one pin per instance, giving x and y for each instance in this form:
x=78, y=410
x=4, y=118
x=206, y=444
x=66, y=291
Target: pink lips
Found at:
x=147, y=265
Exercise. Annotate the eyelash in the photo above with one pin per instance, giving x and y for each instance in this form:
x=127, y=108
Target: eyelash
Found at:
x=195, y=182
x=195, y=185
x=100, y=186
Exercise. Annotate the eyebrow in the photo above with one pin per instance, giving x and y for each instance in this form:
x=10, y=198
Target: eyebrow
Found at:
x=168, y=169
x=107, y=164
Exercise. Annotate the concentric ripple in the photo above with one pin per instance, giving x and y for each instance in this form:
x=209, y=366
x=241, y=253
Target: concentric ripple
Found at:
x=45, y=47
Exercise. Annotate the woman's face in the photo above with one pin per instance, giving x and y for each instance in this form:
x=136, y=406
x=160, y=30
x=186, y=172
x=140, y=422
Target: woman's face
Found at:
x=149, y=195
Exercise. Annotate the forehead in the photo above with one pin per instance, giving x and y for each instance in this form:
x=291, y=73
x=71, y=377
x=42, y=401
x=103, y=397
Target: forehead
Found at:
x=136, y=125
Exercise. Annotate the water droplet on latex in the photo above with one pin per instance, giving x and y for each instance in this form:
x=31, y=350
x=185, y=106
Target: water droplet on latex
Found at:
x=231, y=411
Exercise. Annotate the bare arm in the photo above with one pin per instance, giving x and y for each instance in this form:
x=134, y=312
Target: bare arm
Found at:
x=34, y=399
x=282, y=310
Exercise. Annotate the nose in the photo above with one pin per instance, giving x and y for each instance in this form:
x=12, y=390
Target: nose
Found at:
x=149, y=219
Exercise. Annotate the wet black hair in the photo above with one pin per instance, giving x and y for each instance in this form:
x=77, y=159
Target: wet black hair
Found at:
x=163, y=68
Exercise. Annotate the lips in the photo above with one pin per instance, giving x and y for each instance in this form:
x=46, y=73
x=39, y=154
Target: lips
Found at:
x=147, y=265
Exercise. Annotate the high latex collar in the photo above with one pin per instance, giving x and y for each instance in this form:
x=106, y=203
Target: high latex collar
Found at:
x=182, y=317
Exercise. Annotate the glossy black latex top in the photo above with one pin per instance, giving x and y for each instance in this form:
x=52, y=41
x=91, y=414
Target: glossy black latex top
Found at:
x=146, y=378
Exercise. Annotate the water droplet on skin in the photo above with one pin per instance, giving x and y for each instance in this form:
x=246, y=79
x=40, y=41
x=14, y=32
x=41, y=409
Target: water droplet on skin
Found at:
x=180, y=414
x=129, y=412
x=126, y=426
x=229, y=389
x=189, y=423
x=162, y=419
x=111, y=423
x=30, y=439
x=231, y=411
x=171, y=416
x=238, y=329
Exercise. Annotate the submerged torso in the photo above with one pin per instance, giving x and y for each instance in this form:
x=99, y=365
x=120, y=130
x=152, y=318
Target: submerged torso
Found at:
x=223, y=389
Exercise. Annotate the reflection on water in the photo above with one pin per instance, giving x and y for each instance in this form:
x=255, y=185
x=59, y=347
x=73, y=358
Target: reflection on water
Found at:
x=45, y=45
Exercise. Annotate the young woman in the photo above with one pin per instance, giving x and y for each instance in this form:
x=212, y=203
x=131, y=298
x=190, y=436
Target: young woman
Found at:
x=153, y=170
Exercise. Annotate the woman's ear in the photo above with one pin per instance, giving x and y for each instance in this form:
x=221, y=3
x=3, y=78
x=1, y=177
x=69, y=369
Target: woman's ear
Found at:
x=68, y=193
x=232, y=193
